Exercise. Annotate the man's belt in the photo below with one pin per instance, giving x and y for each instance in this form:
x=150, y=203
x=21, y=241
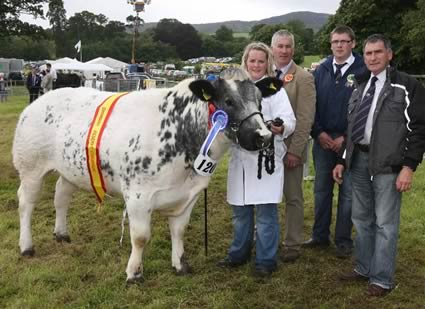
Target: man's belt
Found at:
x=362, y=147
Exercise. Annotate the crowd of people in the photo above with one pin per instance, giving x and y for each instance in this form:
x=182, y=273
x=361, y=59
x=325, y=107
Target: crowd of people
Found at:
x=40, y=82
x=367, y=121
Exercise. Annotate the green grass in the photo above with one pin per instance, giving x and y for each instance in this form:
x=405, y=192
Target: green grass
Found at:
x=89, y=272
x=308, y=60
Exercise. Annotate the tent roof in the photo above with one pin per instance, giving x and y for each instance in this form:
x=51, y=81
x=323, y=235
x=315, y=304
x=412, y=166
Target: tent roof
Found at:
x=108, y=61
x=79, y=66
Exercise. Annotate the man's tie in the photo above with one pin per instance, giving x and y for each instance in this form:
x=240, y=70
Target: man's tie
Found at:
x=363, y=112
x=278, y=73
x=338, y=73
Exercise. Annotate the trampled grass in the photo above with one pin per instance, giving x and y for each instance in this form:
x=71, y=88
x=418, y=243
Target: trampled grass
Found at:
x=89, y=271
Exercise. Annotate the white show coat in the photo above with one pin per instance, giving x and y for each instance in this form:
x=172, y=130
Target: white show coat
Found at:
x=243, y=186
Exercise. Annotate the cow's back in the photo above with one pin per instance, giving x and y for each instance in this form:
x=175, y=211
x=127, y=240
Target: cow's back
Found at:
x=138, y=143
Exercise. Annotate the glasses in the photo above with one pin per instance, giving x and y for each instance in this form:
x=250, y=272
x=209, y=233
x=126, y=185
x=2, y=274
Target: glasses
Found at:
x=342, y=42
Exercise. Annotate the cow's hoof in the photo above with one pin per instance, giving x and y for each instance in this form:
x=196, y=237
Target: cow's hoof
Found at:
x=28, y=252
x=62, y=238
x=185, y=270
x=137, y=279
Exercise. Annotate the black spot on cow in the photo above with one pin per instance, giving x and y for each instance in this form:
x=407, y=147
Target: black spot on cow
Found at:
x=49, y=115
x=138, y=195
x=130, y=142
x=166, y=136
x=126, y=157
x=107, y=169
x=146, y=162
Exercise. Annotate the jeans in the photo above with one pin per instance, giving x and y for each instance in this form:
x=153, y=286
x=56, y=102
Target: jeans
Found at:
x=267, y=235
x=376, y=217
x=324, y=162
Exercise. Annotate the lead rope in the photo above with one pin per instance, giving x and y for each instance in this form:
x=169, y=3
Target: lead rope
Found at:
x=269, y=163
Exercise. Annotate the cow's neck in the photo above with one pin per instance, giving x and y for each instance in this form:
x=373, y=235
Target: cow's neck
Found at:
x=219, y=147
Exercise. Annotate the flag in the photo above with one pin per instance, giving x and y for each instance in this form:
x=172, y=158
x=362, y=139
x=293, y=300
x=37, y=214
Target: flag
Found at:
x=78, y=46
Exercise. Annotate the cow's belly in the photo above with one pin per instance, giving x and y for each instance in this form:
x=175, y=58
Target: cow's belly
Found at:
x=174, y=200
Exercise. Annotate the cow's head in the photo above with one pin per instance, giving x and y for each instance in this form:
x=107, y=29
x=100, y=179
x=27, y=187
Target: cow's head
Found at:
x=240, y=98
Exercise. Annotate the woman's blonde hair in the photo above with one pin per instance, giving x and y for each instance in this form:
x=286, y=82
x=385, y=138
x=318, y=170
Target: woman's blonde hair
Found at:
x=261, y=47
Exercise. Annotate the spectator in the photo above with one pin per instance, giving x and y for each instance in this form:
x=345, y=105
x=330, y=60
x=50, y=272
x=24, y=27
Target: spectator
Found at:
x=3, y=90
x=299, y=86
x=333, y=80
x=250, y=187
x=385, y=144
x=53, y=73
x=33, y=84
x=47, y=81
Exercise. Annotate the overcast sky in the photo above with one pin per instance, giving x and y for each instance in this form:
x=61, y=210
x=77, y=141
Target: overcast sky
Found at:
x=196, y=11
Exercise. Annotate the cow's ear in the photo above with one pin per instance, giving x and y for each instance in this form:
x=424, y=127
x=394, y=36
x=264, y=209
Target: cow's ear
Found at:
x=269, y=86
x=203, y=89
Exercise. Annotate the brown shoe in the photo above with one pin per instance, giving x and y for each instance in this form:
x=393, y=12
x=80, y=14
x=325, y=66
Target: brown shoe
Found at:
x=352, y=276
x=290, y=255
x=377, y=291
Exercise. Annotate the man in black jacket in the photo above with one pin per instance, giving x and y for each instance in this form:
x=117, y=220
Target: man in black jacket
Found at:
x=33, y=84
x=385, y=144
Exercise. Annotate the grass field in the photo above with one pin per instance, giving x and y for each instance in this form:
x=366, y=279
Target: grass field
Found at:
x=89, y=271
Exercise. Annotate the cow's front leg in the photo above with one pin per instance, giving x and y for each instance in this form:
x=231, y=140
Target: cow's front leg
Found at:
x=177, y=228
x=139, y=217
x=63, y=196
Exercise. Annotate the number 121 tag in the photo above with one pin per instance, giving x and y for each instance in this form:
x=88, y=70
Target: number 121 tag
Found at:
x=204, y=165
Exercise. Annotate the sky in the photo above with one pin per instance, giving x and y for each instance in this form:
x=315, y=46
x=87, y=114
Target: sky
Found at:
x=195, y=11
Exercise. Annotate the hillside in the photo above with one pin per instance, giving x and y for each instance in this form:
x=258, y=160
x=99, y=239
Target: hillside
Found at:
x=310, y=19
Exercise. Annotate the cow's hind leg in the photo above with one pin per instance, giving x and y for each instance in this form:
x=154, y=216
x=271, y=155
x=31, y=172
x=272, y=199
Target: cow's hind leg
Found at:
x=139, y=217
x=63, y=196
x=28, y=194
x=177, y=226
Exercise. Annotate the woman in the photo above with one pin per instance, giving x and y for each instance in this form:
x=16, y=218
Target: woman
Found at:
x=250, y=186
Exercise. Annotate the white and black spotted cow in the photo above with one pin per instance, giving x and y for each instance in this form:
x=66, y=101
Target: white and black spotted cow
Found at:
x=147, y=152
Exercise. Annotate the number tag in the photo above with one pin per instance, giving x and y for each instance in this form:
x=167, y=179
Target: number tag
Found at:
x=204, y=165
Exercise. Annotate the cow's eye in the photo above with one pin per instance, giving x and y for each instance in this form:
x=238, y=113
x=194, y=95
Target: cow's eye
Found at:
x=228, y=102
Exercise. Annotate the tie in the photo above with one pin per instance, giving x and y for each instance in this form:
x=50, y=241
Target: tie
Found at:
x=363, y=112
x=338, y=74
x=278, y=72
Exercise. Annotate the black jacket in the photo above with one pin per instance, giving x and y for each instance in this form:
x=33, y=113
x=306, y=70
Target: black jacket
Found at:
x=398, y=131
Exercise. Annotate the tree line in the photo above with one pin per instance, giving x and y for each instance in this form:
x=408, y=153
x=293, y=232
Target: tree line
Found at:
x=402, y=21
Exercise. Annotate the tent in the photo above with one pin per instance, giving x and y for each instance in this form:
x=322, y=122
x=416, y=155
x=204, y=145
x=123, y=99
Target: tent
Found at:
x=89, y=70
x=110, y=62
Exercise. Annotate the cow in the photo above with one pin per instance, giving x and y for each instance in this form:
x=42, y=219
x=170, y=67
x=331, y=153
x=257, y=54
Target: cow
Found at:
x=146, y=154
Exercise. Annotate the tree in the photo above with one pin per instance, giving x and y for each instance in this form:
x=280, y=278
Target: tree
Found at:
x=183, y=36
x=58, y=22
x=366, y=17
x=10, y=11
x=414, y=37
x=224, y=34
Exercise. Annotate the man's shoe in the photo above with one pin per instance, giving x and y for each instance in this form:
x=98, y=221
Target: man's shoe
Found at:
x=290, y=255
x=228, y=263
x=376, y=290
x=313, y=243
x=351, y=276
x=262, y=273
x=343, y=252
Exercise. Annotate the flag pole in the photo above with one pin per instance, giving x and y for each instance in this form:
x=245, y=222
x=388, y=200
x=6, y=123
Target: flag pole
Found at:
x=81, y=52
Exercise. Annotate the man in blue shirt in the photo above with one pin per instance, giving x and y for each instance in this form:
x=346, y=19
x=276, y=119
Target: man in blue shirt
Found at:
x=334, y=84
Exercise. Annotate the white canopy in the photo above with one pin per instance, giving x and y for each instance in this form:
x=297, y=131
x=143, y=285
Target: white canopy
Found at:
x=110, y=62
x=89, y=70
